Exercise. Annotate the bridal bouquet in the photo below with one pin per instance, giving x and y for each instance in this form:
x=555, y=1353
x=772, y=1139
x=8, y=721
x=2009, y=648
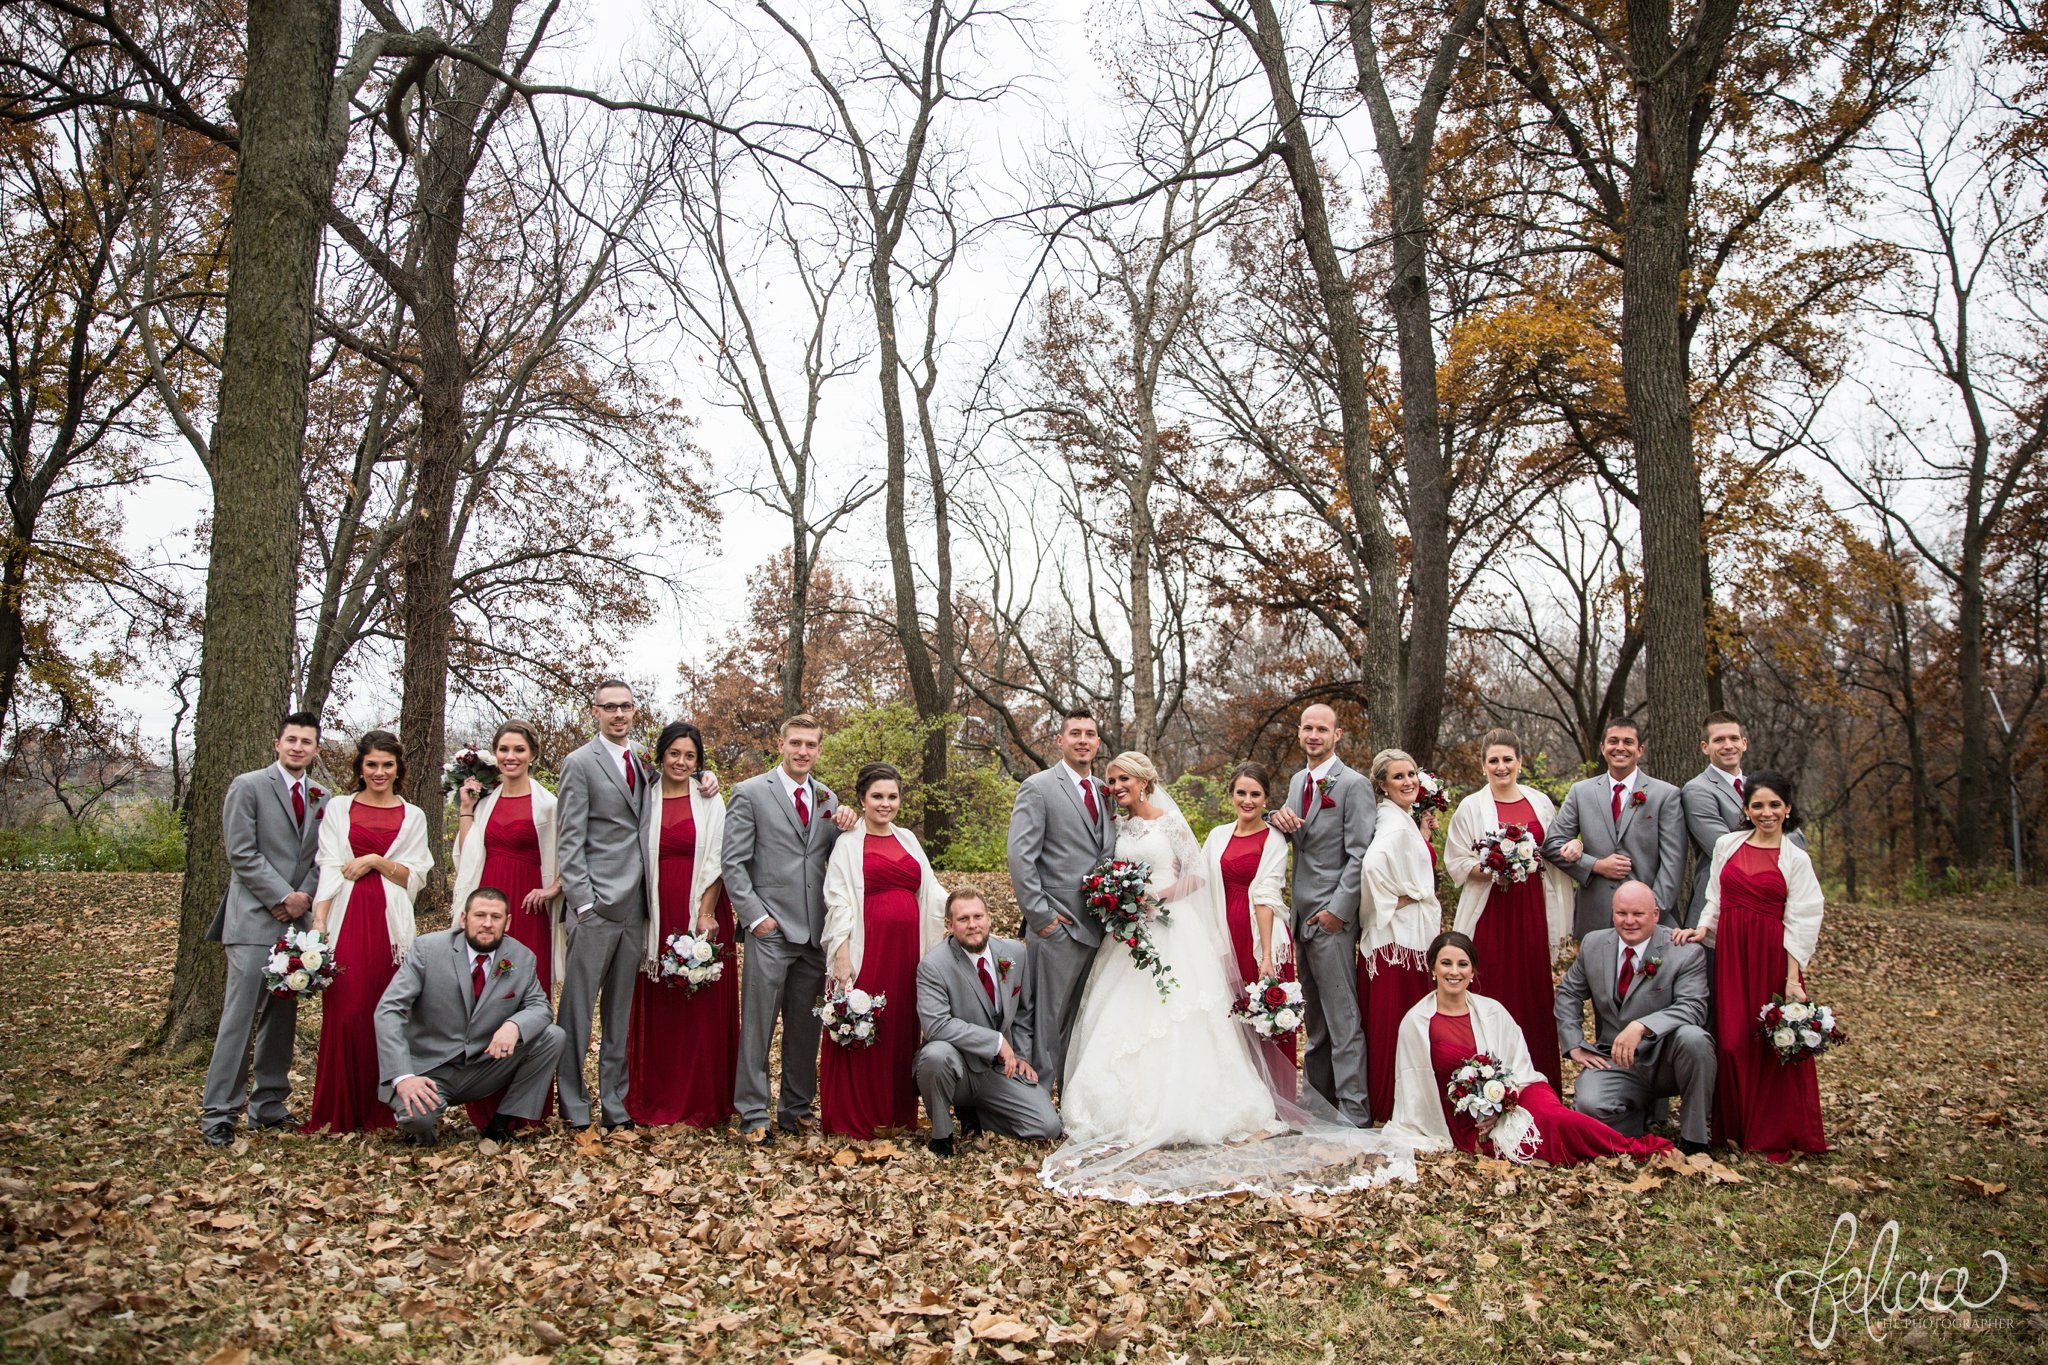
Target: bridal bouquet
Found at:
x=1507, y=853
x=850, y=1019
x=688, y=960
x=1435, y=793
x=1118, y=892
x=302, y=963
x=471, y=762
x=1272, y=1007
x=1798, y=1028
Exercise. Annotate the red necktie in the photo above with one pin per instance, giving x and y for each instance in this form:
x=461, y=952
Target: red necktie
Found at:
x=299, y=803
x=632, y=778
x=803, y=811
x=1094, y=818
x=1308, y=789
x=1617, y=802
x=1628, y=973
x=1740, y=794
x=988, y=983
x=476, y=979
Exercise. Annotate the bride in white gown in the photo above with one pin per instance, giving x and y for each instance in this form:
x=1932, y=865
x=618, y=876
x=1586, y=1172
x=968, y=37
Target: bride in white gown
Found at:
x=1166, y=1097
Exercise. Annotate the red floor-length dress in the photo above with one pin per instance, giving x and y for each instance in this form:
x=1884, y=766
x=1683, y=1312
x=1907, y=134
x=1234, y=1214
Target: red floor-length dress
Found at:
x=1388, y=987
x=1760, y=1104
x=1512, y=940
x=345, y=1074
x=1567, y=1136
x=862, y=1090
x=512, y=864
x=1240, y=863
x=683, y=1046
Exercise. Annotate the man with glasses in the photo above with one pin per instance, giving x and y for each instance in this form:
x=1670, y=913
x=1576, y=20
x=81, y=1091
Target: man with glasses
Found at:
x=602, y=797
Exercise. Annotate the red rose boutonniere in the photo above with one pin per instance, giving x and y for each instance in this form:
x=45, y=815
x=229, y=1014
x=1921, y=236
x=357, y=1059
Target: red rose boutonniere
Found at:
x=1639, y=798
x=1329, y=802
x=504, y=965
x=1651, y=967
x=1003, y=966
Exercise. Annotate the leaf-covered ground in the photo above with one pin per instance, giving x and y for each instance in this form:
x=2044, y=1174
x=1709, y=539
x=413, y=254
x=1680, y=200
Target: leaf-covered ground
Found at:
x=123, y=1237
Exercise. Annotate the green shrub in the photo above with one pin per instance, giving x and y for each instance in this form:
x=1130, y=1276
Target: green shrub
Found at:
x=150, y=840
x=977, y=794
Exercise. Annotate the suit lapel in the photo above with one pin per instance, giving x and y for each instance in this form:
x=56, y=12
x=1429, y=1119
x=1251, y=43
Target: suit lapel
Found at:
x=283, y=788
x=1628, y=809
x=616, y=771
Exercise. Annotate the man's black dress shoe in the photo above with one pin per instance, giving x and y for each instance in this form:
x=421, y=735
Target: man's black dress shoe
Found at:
x=286, y=1120
x=219, y=1135
x=1691, y=1148
x=967, y=1120
x=627, y=1125
x=422, y=1139
x=939, y=1146
x=499, y=1129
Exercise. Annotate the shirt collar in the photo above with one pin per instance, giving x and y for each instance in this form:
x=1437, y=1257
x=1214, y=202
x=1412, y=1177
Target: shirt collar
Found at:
x=1628, y=784
x=1080, y=780
x=790, y=786
x=1730, y=778
x=619, y=751
x=470, y=949
x=1322, y=770
x=289, y=780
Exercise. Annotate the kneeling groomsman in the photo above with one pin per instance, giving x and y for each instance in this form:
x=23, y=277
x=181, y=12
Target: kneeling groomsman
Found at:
x=465, y=1018
x=974, y=1002
x=1649, y=1007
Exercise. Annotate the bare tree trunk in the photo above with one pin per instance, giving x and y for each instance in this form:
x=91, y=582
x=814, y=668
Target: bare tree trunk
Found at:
x=1379, y=584
x=1405, y=162
x=282, y=182
x=1674, y=85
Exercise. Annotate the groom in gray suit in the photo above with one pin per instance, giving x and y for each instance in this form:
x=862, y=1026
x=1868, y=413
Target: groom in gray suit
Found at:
x=1061, y=826
x=602, y=795
x=270, y=823
x=779, y=832
x=1624, y=825
x=463, y=1018
x=1329, y=818
x=1649, y=1014
x=974, y=1004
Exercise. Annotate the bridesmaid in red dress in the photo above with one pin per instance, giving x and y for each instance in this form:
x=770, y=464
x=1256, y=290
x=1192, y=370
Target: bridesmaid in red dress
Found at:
x=1398, y=915
x=373, y=856
x=884, y=909
x=1250, y=860
x=1450, y=1026
x=1509, y=922
x=683, y=1046
x=514, y=853
x=1762, y=918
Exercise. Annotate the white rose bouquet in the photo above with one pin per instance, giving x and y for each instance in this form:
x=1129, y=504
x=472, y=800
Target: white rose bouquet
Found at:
x=851, y=1019
x=1272, y=1007
x=302, y=963
x=690, y=961
x=1507, y=853
x=1797, y=1029
x=1483, y=1090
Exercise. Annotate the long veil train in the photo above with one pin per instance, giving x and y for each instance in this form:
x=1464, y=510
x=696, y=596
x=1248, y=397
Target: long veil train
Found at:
x=1171, y=1100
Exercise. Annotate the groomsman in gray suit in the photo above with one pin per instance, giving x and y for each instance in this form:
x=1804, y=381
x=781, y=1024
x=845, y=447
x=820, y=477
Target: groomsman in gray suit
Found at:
x=1623, y=825
x=1061, y=826
x=1649, y=1014
x=779, y=832
x=1329, y=818
x=599, y=803
x=974, y=1004
x=463, y=1018
x=270, y=823
x=1714, y=800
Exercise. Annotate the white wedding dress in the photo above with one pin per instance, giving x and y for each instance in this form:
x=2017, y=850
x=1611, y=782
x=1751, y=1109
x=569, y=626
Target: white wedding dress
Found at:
x=1166, y=1098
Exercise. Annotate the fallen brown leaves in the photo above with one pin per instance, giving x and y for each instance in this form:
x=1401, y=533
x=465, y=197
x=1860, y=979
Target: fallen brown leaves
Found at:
x=122, y=1237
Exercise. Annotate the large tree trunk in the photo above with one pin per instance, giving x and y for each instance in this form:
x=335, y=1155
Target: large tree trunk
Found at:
x=1975, y=825
x=1378, y=583
x=282, y=184
x=427, y=551
x=792, y=675
x=1673, y=88
x=1144, y=661
x=13, y=634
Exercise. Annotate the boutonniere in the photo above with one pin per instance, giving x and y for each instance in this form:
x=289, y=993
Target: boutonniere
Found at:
x=1003, y=965
x=1650, y=968
x=1323, y=790
x=314, y=793
x=504, y=965
x=1639, y=798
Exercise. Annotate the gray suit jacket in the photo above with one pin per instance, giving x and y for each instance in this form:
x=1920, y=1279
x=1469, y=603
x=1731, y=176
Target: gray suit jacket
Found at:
x=953, y=1008
x=1652, y=834
x=773, y=864
x=1711, y=811
x=269, y=854
x=598, y=822
x=1329, y=848
x=428, y=1016
x=1053, y=845
x=1672, y=995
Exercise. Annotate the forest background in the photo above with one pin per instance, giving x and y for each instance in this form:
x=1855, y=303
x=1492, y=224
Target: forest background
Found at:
x=936, y=366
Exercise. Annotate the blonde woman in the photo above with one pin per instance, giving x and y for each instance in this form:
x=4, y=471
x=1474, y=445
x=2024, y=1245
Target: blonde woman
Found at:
x=1399, y=915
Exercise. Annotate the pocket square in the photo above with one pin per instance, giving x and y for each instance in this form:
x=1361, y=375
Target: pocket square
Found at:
x=506, y=996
